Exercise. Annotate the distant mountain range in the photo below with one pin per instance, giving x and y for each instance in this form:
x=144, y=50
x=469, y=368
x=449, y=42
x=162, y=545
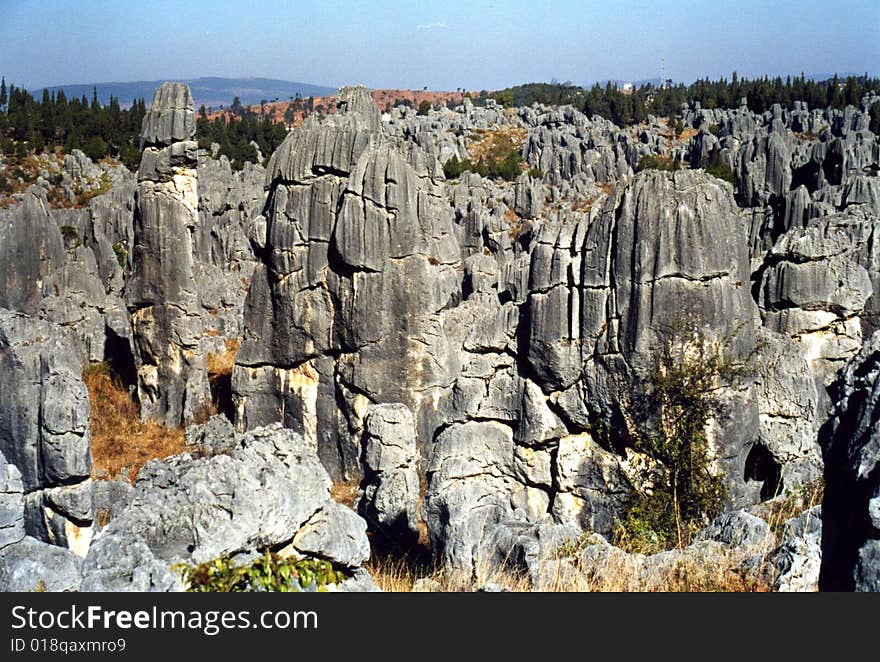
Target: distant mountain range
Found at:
x=208, y=91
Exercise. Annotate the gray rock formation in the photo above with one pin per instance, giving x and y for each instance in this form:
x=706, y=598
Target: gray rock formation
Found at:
x=788, y=453
x=358, y=266
x=740, y=529
x=11, y=503
x=55, y=266
x=389, y=493
x=32, y=565
x=44, y=429
x=31, y=248
x=851, y=509
x=606, y=298
x=161, y=293
x=228, y=233
x=794, y=566
x=271, y=491
x=815, y=287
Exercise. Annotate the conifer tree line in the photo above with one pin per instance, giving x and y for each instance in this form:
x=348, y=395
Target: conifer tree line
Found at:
x=56, y=122
x=665, y=100
x=237, y=134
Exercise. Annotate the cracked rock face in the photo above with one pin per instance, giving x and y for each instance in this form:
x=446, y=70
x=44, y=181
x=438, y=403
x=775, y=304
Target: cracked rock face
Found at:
x=270, y=491
x=59, y=265
x=815, y=288
x=161, y=293
x=851, y=510
x=482, y=333
x=360, y=254
x=605, y=296
x=11, y=503
x=44, y=430
x=389, y=493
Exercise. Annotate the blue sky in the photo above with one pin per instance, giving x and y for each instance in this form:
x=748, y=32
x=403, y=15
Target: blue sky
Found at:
x=441, y=45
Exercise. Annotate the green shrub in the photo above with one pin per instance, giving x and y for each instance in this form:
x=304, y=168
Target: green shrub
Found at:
x=682, y=393
x=658, y=162
x=536, y=173
x=104, y=185
x=507, y=165
x=71, y=237
x=716, y=166
x=424, y=107
x=95, y=148
x=675, y=125
x=270, y=572
x=121, y=253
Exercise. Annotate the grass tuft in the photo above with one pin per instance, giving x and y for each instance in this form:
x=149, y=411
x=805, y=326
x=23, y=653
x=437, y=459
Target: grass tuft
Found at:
x=121, y=442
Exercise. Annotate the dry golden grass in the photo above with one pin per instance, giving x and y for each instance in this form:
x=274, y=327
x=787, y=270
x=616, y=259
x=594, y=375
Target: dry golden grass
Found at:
x=221, y=364
x=120, y=440
x=616, y=572
x=607, y=187
x=484, y=142
x=784, y=507
x=394, y=574
x=686, y=135
x=345, y=492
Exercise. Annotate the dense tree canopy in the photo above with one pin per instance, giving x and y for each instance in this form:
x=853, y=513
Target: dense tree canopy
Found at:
x=666, y=100
x=236, y=134
x=58, y=122
x=54, y=121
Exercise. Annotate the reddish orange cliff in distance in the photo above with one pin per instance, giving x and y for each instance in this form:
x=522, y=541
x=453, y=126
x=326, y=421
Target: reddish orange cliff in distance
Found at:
x=294, y=111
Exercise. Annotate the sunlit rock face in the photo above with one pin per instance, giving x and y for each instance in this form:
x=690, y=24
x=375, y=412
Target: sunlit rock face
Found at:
x=172, y=382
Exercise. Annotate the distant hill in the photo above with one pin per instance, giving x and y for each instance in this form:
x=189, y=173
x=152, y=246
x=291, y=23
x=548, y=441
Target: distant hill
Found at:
x=208, y=91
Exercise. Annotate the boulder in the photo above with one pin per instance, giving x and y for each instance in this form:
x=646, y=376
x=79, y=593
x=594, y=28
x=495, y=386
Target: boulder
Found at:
x=269, y=492
x=33, y=565
x=389, y=494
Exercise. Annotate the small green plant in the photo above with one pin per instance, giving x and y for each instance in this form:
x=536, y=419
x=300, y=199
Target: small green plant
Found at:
x=71, y=237
x=658, y=162
x=84, y=197
x=269, y=572
x=716, y=166
x=536, y=173
x=121, y=253
x=454, y=167
x=675, y=125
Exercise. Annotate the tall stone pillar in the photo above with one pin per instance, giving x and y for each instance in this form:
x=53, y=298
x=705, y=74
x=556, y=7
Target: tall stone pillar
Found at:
x=161, y=295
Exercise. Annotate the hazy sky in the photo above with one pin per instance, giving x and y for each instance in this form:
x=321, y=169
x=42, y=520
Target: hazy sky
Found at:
x=442, y=45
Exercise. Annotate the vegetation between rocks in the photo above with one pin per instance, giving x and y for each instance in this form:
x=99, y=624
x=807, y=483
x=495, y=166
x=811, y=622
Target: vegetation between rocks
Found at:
x=121, y=442
x=682, y=393
x=269, y=572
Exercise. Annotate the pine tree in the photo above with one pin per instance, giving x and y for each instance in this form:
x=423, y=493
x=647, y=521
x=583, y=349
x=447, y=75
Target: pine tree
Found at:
x=3, y=97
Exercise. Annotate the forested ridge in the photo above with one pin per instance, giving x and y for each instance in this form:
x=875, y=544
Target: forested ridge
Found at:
x=633, y=106
x=58, y=123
